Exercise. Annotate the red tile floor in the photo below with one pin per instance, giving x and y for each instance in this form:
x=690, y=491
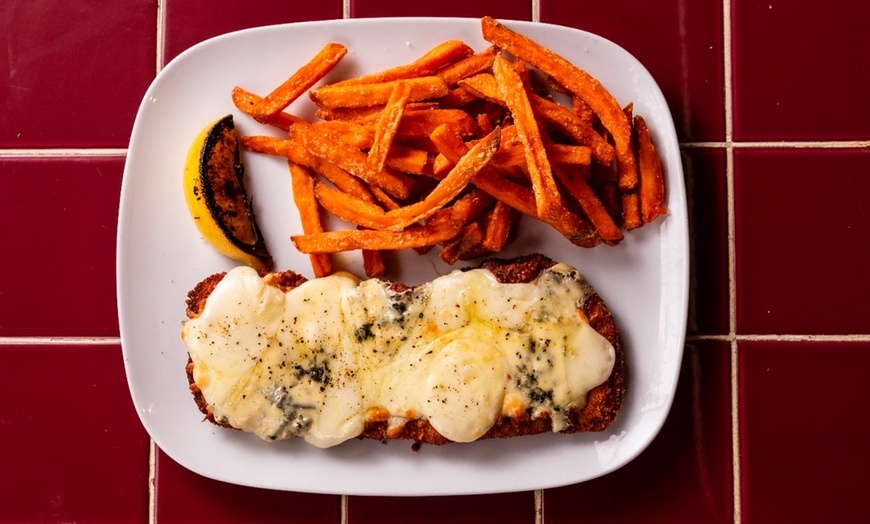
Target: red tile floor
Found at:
x=770, y=420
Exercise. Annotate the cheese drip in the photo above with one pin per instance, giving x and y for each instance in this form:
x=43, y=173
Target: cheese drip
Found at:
x=459, y=351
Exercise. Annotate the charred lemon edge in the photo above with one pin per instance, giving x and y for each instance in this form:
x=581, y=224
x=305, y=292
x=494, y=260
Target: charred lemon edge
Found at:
x=214, y=232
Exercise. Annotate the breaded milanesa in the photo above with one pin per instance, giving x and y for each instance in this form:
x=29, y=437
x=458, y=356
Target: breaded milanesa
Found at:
x=532, y=398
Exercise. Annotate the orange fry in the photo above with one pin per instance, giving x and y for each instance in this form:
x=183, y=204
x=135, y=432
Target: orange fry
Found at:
x=573, y=125
x=351, y=160
x=351, y=208
x=459, y=177
x=348, y=240
x=517, y=196
x=513, y=155
x=388, y=124
x=373, y=263
x=366, y=115
x=408, y=160
x=442, y=55
x=484, y=86
x=591, y=205
x=467, y=244
x=469, y=66
x=352, y=133
x=573, y=227
x=296, y=153
x=538, y=165
x=367, y=95
x=499, y=225
x=578, y=82
x=652, y=184
x=458, y=97
x=421, y=123
x=309, y=214
x=245, y=101
x=631, y=217
x=300, y=82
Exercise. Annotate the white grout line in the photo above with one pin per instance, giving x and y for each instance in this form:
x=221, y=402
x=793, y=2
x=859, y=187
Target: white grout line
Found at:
x=732, y=256
x=161, y=35
x=345, y=9
x=152, y=482
x=841, y=144
x=833, y=144
x=539, y=506
x=343, y=518
x=735, y=433
x=160, y=57
x=116, y=341
x=60, y=341
x=536, y=10
x=62, y=152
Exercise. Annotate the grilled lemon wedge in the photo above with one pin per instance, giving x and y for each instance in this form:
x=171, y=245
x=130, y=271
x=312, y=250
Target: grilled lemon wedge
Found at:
x=214, y=187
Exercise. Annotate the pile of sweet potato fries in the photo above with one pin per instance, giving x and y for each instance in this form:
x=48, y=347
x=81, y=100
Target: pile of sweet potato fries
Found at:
x=453, y=148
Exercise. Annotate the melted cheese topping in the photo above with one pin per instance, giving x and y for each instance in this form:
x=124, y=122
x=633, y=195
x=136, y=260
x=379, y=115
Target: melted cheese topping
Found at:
x=318, y=361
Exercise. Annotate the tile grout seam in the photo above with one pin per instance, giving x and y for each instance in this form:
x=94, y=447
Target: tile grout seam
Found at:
x=152, y=453
x=152, y=481
x=749, y=337
x=538, y=493
x=795, y=144
x=728, y=67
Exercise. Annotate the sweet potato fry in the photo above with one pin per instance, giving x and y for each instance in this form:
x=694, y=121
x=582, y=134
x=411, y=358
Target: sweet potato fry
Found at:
x=582, y=110
x=357, y=211
x=520, y=197
x=268, y=145
x=458, y=97
x=442, y=55
x=296, y=153
x=373, y=263
x=421, y=123
x=469, y=66
x=592, y=207
x=514, y=156
x=388, y=124
x=409, y=160
x=499, y=226
x=573, y=126
x=351, y=160
x=484, y=86
x=357, y=135
x=573, y=227
x=579, y=82
x=652, y=184
x=458, y=179
x=348, y=240
x=538, y=165
x=366, y=115
x=631, y=217
x=301, y=81
x=245, y=101
x=351, y=208
x=309, y=213
x=469, y=206
x=468, y=244
x=367, y=95
x=383, y=199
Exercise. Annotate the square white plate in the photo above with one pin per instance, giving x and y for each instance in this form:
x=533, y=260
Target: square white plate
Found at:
x=161, y=256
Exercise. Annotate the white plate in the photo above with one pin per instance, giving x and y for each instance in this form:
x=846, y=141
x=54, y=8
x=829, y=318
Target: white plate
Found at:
x=161, y=256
